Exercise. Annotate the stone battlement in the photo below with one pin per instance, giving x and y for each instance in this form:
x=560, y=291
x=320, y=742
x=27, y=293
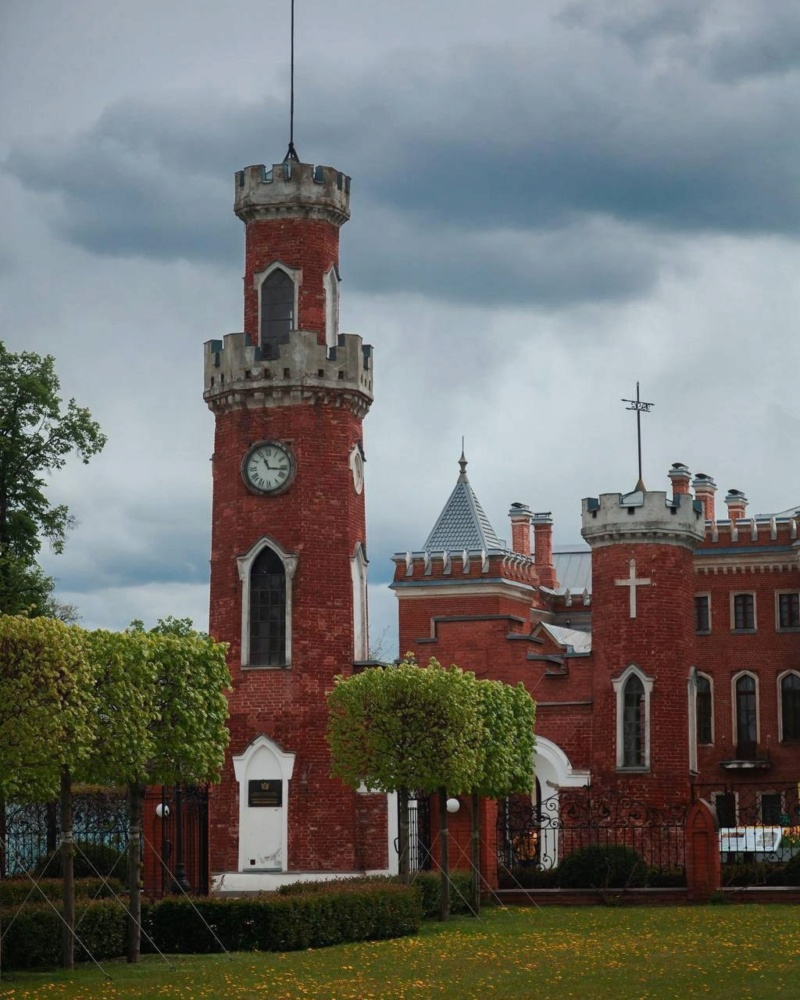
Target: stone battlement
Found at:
x=292, y=190
x=499, y=563
x=303, y=370
x=642, y=517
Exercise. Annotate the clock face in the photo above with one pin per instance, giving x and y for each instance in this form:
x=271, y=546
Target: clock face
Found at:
x=268, y=467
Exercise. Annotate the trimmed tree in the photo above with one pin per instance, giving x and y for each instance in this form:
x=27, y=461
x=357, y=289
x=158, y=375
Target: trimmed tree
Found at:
x=508, y=715
x=407, y=728
x=47, y=709
x=162, y=720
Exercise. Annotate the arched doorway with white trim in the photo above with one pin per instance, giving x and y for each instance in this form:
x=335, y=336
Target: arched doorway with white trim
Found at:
x=553, y=772
x=263, y=773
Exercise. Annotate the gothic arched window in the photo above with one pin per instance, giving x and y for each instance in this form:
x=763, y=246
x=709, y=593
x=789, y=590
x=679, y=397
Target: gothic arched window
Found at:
x=277, y=308
x=705, y=717
x=267, y=610
x=633, y=723
x=790, y=707
x=746, y=717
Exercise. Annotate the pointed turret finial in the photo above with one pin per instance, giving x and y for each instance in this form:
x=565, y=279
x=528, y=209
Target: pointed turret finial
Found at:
x=463, y=463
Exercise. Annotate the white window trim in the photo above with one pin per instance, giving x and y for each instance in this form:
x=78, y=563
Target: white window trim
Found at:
x=691, y=694
x=619, y=689
x=779, y=694
x=707, y=596
x=245, y=565
x=294, y=273
x=778, y=626
x=358, y=574
x=330, y=282
x=734, y=726
x=740, y=593
x=710, y=679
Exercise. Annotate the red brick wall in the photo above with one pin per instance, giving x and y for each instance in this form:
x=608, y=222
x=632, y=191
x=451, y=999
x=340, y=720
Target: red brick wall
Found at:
x=309, y=245
x=660, y=641
x=767, y=653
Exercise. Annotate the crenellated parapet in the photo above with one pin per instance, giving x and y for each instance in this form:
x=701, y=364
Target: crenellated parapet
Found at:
x=292, y=190
x=498, y=564
x=236, y=373
x=755, y=545
x=642, y=517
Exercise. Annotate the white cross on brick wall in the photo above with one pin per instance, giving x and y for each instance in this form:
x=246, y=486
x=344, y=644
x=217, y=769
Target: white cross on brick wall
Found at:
x=632, y=582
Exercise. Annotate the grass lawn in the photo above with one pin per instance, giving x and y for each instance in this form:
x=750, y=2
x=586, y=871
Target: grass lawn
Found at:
x=713, y=951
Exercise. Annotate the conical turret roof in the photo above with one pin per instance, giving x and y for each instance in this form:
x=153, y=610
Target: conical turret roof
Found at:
x=463, y=523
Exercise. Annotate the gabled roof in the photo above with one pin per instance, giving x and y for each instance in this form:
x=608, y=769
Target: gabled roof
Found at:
x=463, y=523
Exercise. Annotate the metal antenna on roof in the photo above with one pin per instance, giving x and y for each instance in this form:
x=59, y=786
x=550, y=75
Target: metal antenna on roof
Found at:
x=640, y=407
x=291, y=152
x=462, y=461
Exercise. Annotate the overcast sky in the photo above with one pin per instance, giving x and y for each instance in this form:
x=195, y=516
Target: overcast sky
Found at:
x=550, y=201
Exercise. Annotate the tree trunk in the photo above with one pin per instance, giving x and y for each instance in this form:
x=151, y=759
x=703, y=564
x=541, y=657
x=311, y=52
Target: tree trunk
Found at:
x=444, y=859
x=476, y=855
x=135, y=797
x=402, y=834
x=67, y=872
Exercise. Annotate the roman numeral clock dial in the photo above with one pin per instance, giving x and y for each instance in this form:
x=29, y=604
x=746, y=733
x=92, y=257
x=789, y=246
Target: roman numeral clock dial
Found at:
x=268, y=468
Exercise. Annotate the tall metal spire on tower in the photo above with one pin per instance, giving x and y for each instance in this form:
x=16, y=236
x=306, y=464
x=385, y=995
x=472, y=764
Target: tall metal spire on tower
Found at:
x=291, y=152
x=640, y=407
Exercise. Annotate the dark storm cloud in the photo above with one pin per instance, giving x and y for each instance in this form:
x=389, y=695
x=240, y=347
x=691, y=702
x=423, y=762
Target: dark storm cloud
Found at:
x=564, y=158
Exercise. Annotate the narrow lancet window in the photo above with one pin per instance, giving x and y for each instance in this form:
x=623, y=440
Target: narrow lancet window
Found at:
x=268, y=611
x=277, y=308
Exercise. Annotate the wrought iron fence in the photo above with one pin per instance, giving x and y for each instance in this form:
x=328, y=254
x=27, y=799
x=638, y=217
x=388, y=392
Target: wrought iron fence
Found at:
x=184, y=839
x=32, y=831
x=759, y=830
x=541, y=835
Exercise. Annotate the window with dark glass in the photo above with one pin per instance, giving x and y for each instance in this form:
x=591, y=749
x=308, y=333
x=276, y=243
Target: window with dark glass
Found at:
x=702, y=617
x=746, y=725
x=726, y=808
x=789, y=610
x=744, y=611
x=771, y=808
x=633, y=723
x=704, y=728
x=277, y=308
x=267, y=611
x=790, y=707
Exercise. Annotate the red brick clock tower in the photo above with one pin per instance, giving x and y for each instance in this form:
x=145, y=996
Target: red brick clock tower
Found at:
x=288, y=557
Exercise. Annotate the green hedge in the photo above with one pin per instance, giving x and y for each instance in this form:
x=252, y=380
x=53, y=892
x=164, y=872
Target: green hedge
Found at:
x=612, y=867
x=15, y=891
x=33, y=940
x=286, y=922
x=363, y=912
x=428, y=884
x=90, y=860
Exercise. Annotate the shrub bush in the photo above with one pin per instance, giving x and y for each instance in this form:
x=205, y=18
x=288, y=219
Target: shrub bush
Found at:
x=14, y=891
x=426, y=882
x=790, y=875
x=286, y=922
x=745, y=873
x=33, y=940
x=531, y=878
x=612, y=867
x=99, y=859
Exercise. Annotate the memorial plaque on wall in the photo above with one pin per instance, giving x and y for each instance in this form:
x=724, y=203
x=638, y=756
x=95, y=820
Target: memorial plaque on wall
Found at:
x=264, y=793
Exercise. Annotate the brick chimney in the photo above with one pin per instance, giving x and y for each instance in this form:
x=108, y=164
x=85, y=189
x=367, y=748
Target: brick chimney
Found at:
x=543, y=549
x=705, y=489
x=680, y=476
x=736, y=503
x=520, y=517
